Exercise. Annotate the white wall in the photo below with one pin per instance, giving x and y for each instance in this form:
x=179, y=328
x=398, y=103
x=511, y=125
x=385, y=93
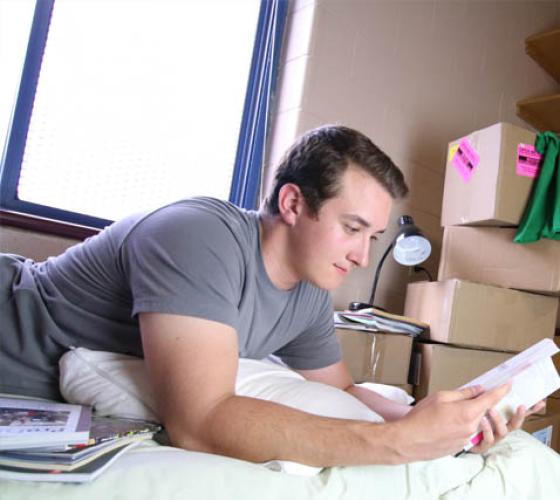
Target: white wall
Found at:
x=413, y=75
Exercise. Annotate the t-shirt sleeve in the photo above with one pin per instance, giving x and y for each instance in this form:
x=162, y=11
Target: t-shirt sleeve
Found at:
x=317, y=346
x=184, y=260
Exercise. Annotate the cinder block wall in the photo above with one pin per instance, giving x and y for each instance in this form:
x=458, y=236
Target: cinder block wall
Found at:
x=31, y=244
x=412, y=75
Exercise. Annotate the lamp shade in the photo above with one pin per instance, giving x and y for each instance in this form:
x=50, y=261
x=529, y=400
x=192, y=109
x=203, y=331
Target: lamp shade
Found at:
x=410, y=247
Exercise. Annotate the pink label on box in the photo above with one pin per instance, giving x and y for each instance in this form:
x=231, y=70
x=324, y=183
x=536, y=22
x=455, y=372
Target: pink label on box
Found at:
x=528, y=161
x=465, y=160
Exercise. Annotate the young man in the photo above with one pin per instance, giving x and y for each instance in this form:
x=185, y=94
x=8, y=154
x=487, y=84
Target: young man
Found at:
x=197, y=284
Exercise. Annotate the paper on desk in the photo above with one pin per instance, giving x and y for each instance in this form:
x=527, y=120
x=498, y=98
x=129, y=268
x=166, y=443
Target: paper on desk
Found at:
x=374, y=320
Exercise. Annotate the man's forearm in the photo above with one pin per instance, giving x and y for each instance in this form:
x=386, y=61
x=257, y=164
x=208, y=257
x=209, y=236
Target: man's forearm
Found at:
x=201, y=412
x=338, y=375
x=387, y=408
x=260, y=431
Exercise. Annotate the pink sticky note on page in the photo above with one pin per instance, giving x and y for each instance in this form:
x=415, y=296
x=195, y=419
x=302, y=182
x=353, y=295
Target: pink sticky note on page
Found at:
x=477, y=439
x=465, y=160
x=528, y=161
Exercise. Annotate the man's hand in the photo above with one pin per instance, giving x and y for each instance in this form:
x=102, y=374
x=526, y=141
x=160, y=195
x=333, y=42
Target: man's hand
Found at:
x=442, y=423
x=494, y=428
x=192, y=365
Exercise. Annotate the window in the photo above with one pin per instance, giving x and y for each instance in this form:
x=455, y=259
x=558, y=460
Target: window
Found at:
x=128, y=105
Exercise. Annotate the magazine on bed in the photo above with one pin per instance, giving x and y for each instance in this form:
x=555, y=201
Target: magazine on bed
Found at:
x=44, y=440
x=66, y=460
x=108, y=437
x=81, y=474
x=32, y=423
x=109, y=428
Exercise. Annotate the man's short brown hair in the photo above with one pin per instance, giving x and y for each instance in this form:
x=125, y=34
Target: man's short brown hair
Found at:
x=318, y=159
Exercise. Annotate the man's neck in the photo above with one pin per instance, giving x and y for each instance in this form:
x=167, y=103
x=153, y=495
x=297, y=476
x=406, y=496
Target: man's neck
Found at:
x=275, y=252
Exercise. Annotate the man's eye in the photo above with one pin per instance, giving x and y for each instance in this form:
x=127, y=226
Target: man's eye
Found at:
x=352, y=229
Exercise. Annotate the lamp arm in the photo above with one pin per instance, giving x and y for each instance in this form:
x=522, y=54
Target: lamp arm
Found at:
x=378, y=272
x=418, y=269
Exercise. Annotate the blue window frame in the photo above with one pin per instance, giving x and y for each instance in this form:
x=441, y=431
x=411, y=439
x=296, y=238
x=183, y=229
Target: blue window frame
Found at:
x=253, y=130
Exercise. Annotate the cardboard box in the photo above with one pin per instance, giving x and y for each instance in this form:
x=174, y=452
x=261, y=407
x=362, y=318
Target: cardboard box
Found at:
x=546, y=428
x=488, y=255
x=471, y=314
x=489, y=175
x=553, y=403
x=556, y=358
x=375, y=356
x=442, y=367
x=556, y=361
x=545, y=410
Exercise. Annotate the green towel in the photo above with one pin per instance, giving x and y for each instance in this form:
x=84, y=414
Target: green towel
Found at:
x=542, y=214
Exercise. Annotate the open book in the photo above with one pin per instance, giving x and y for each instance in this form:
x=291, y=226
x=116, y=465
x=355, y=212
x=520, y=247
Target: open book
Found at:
x=533, y=378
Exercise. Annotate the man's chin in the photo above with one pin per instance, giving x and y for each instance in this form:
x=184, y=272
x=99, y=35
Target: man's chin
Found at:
x=328, y=285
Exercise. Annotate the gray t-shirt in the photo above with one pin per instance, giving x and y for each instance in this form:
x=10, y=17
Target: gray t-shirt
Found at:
x=198, y=257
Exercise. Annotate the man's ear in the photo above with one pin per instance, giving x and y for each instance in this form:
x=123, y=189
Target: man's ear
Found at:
x=290, y=203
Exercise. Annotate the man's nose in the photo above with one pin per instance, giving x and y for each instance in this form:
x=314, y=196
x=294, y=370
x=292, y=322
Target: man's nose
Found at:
x=360, y=254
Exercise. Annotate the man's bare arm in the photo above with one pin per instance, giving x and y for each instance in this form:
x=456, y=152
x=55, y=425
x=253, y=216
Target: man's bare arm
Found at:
x=193, y=364
x=339, y=376
x=493, y=426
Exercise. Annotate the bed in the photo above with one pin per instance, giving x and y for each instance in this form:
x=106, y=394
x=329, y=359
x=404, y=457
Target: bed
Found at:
x=519, y=467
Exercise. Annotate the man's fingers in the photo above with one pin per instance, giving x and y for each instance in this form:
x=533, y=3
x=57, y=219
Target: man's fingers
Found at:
x=490, y=398
x=518, y=418
x=470, y=392
x=473, y=392
x=487, y=436
x=499, y=425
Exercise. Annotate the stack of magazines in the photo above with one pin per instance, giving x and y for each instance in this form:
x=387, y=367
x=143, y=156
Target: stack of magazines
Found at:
x=374, y=319
x=48, y=441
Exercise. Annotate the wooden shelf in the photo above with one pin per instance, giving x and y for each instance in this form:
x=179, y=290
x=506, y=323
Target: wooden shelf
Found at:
x=544, y=48
x=541, y=112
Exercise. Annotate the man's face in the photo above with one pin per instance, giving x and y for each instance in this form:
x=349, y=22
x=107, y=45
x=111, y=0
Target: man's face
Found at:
x=335, y=241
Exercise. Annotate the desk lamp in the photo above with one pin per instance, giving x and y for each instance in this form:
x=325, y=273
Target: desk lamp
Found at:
x=410, y=248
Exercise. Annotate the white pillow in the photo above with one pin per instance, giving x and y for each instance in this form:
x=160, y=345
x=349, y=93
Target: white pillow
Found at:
x=273, y=382
x=118, y=385
x=114, y=384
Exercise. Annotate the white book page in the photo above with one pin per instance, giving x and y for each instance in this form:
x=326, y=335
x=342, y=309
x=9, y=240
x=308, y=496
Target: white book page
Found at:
x=531, y=372
x=533, y=377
